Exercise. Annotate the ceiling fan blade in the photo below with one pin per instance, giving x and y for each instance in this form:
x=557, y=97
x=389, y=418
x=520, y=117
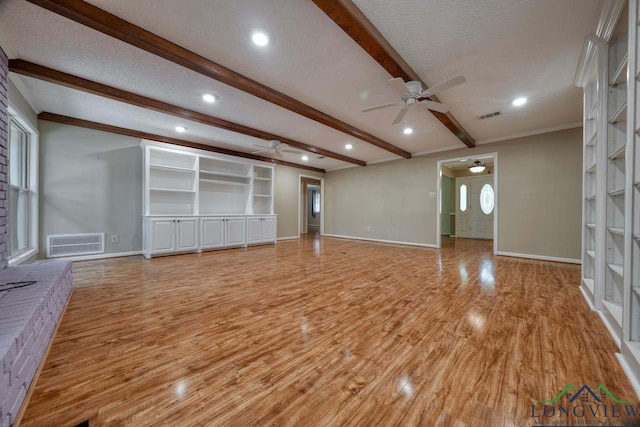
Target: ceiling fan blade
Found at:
x=454, y=81
x=435, y=106
x=391, y=104
x=277, y=153
x=261, y=146
x=259, y=151
x=399, y=85
x=291, y=151
x=400, y=116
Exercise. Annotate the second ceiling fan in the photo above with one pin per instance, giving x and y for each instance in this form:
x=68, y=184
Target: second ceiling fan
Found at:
x=412, y=92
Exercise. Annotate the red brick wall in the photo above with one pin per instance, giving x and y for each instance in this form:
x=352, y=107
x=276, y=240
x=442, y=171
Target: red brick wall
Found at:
x=4, y=163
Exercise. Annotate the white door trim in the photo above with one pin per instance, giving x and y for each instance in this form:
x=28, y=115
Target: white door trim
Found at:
x=495, y=187
x=322, y=206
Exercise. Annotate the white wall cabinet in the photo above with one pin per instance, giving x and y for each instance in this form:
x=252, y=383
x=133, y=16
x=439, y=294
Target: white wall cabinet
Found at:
x=195, y=200
x=261, y=229
x=221, y=232
x=172, y=235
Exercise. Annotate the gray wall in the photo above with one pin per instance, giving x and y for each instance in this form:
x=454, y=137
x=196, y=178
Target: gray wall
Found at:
x=539, y=184
x=287, y=180
x=90, y=181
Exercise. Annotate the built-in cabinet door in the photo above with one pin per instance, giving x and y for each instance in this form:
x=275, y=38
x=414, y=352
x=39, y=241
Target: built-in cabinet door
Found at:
x=213, y=232
x=187, y=234
x=268, y=229
x=162, y=235
x=254, y=230
x=235, y=231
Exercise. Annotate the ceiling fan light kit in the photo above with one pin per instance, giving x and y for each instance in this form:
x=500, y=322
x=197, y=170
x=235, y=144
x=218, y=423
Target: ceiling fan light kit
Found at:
x=413, y=94
x=274, y=147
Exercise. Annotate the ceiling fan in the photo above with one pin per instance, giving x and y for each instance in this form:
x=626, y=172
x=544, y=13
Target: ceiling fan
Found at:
x=274, y=147
x=412, y=92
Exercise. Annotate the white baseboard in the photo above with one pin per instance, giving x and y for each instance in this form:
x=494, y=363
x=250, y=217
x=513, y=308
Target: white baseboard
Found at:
x=540, y=257
x=394, y=242
x=288, y=238
x=610, y=328
x=628, y=370
x=587, y=297
x=91, y=257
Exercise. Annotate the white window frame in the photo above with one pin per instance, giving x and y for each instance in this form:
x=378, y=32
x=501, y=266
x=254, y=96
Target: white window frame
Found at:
x=33, y=184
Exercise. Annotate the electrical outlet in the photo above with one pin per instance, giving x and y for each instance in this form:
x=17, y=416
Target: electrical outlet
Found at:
x=432, y=194
x=368, y=228
x=114, y=238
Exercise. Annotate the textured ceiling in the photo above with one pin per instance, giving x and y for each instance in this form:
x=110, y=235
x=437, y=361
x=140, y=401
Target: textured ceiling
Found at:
x=504, y=49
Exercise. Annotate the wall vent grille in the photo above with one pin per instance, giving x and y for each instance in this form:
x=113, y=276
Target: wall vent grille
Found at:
x=487, y=116
x=62, y=245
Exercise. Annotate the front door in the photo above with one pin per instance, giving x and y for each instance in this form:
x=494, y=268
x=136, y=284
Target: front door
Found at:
x=482, y=206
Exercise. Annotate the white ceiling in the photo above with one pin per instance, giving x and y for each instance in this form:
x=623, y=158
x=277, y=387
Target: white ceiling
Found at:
x=504, y=48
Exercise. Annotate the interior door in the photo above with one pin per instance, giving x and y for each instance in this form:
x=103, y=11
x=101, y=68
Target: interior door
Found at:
x=463, y=190
x=482, y=207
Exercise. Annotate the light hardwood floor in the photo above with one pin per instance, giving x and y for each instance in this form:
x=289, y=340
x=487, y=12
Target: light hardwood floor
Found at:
x=322, y=332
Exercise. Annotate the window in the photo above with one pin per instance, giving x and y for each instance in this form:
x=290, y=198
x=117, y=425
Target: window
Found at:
x=23, y=208
x=463, y=197
x=487, y=199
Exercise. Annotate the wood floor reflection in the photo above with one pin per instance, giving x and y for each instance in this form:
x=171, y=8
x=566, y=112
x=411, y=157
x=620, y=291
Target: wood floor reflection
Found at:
x=321, y=332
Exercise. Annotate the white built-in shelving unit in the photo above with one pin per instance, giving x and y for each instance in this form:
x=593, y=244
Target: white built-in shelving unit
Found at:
x=611, y=178
x=195, y=200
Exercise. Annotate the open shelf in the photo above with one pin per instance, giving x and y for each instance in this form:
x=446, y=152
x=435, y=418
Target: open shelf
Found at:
x=258, y=178
x=618, y=192
x=616, y=268
x=615, y=230
x=615, y=310
x=620, y=75
x=592, y=254
x=620, y=115
x=590, y=197
x=171, y=190
x=262, y=195
x=233, y=175
x=592, y=168
x=619, y=153
x=171, y=168
x=590, y=225
x=221, y=182
x=589, y=283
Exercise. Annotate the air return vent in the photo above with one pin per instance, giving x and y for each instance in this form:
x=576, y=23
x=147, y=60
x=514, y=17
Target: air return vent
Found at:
x=60, y=245
x=487, y=116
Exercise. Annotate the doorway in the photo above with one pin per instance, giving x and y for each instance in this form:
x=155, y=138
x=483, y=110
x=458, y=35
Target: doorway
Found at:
x=468, y=200
x=311, y=205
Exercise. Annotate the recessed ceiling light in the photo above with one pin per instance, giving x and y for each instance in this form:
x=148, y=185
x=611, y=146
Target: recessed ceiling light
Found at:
x=260, y=38
x=305, y=158
x=519, y=101
x=464, y=160
x=207, y=97
x=407, y=131
x=348, y=146
x=181, y=129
